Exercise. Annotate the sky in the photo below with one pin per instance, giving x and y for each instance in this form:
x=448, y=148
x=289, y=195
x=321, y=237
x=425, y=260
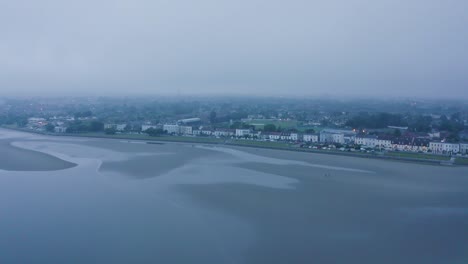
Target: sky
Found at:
x=383, y=48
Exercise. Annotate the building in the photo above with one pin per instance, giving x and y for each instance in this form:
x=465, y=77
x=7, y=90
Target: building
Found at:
x=434, y=134
x=117, y=127
x=444, y=147
x=464, y=148
x=146, y=127
x=185, y=130
x=373, y=141
x=224, y=133
x=36, y=123
x=294, y=136
x=337, y=136
x=310, y=138
x=285, y=136
x=171, y=129
x=206, y=132
x=271, y=135
x=120, y=127
x=60, y=129
x=243, y=132
x=366, y=140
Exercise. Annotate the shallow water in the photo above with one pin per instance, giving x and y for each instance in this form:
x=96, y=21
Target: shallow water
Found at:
x=131, y=202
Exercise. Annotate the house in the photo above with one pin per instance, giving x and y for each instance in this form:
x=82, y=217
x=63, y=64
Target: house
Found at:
x=36, y=120
x=120, y=127
x=285, y=136
x=224, y=133
x=36, y=123
x=366, y=140
x=413, y=144
x=310, y=138
x=243, y=132
x=464, y=148
x=206, y=132
x=146, y=127
x=373, y=141
x=294, y=136
x=117, y=127
x=60, y=129
x=337, y=136
x=434, y=134
x=185, y=130
x=271, y=135
x=171, y=129
x=444, y=147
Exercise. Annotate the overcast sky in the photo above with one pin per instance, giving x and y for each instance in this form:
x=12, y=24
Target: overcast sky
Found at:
x=294, y=47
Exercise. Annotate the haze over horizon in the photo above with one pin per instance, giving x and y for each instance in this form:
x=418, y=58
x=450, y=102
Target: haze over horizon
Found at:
x=311, y=48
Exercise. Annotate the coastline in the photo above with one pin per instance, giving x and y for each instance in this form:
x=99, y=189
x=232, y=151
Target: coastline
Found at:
x=438, y=160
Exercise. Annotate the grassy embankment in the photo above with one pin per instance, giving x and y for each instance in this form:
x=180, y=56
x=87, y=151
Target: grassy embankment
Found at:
x=417, y=155
x=283, y=124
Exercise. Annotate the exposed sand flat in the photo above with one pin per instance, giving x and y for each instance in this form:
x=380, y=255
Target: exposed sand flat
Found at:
x=130, y=202
x=17, y=159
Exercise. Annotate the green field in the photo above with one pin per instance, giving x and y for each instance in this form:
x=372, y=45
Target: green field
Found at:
x=417, y=155
x=461, y=161
x=260, y=123
x=265, y=144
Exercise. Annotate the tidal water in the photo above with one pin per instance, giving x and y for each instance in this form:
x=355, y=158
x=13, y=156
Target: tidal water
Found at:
x=78, y=200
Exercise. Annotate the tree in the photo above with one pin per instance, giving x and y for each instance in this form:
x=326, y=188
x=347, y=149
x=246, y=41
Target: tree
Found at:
x=213, y=117
x=110, y=131
x=269, y=128
x=154, y=132
x=83, y=114
x=397, y=133
x=310, y=131
x=96, y=126
x=453, y=137
x=50, y=128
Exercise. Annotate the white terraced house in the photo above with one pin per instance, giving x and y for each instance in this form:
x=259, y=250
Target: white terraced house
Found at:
x=310, y=138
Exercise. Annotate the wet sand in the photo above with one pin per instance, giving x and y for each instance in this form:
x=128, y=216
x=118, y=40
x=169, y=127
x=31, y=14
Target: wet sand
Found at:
x=18, y=159
x=130, y=202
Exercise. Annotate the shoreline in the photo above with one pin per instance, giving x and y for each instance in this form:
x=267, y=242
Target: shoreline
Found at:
x=256, y=145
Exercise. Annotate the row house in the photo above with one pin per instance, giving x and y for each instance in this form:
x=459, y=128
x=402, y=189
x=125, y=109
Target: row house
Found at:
x=410, y=144
x=243, y=132
x=373, y=141
x=171, y=129
x=206, y=132
x=117, y=127
x=271, y=135
x=146, y=127
x=185, y=130
x=313, y=138
x=464, y=148
x=224, y=133
x=444, y=147
x=337, y=136
x=176, y=129
x=289, y=136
